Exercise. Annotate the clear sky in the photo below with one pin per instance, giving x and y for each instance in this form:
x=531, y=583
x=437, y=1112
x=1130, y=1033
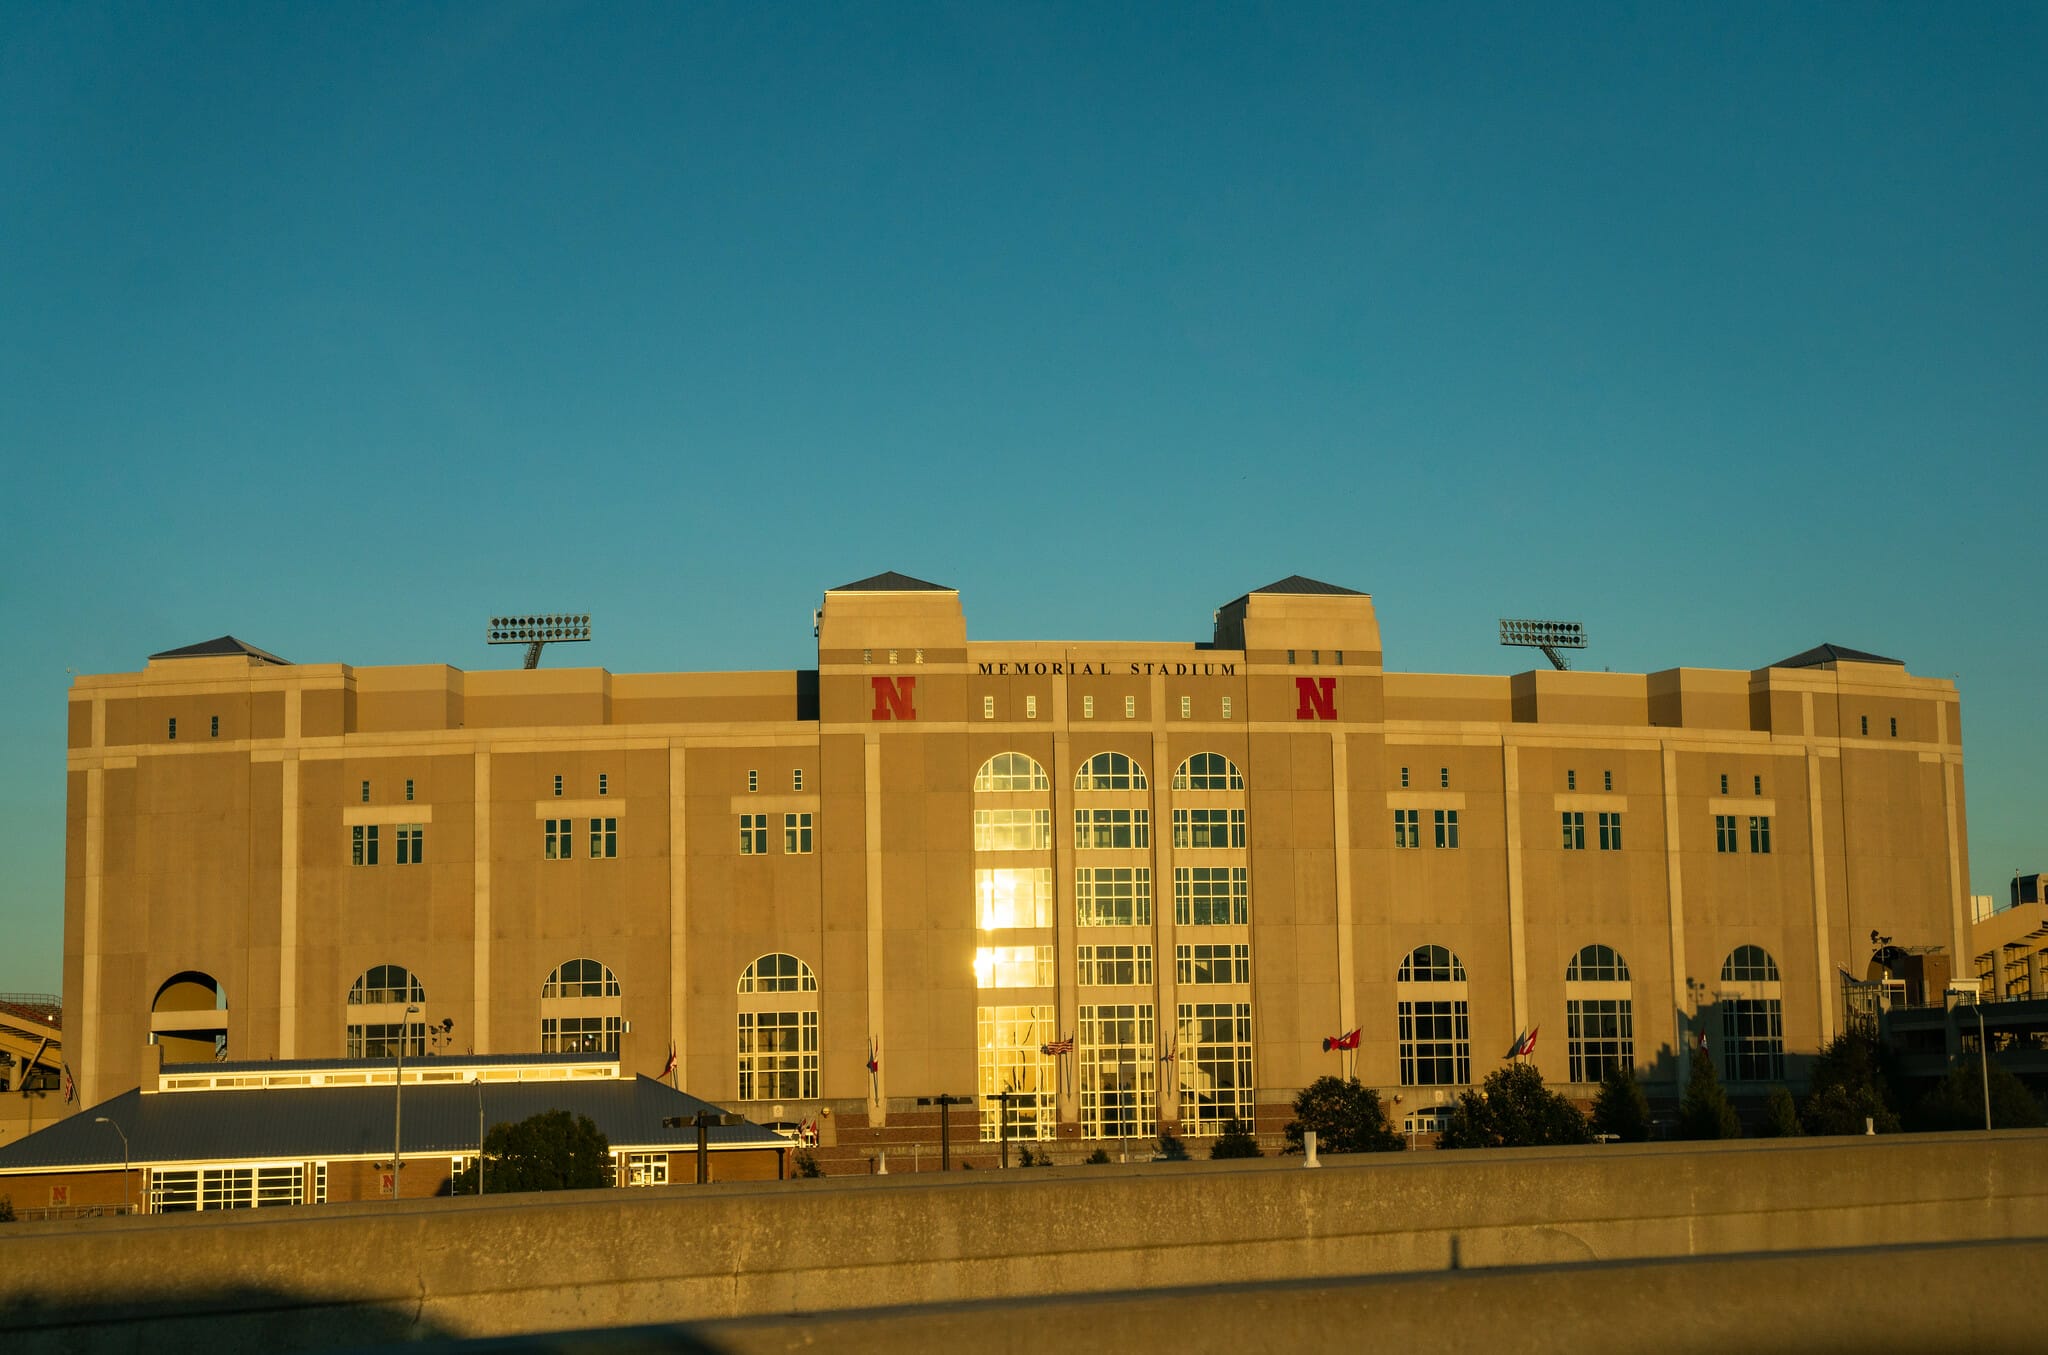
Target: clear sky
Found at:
x=1721, y=328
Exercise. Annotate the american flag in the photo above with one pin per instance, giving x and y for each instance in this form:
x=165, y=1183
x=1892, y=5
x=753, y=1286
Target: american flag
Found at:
x=1063, y=1045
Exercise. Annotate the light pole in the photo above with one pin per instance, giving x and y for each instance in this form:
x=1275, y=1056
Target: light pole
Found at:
x=478, y=1082
x=1983, y=1062
x=125, y=1157
x=398, y=1106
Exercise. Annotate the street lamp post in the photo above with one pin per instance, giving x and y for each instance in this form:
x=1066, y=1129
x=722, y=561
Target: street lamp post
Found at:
x=479, y=1081
x=398, y=1107
x=126, y=1157
x=1983, y=1062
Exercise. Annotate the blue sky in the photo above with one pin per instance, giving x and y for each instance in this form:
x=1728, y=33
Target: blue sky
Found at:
x=342, y=327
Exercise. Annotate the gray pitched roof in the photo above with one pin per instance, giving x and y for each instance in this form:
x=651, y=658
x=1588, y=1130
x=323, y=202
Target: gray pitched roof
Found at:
x=1296, y=583
x=1821, y=655
x=224, y=645
x=305, y=1123
x=890, y=582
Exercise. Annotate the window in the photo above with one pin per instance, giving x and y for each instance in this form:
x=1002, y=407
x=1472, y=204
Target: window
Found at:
x=558, y=785
x=1109, y=966
x=1226, y=708
x=1087, y=707
x=867, y=656
x=1011, y=772
x=1208, y=771
x=580, y=1034
x=1443, y=777
x=1215, y=1063
x=560, y=846
x=412, y=844
x=1290, y=656
x=778, y=974
x=1209, y=896
x=753, y=780
x=917, y=656
x=393, y=988
x=1752, y=1020
x=604, y=785
x=988, y=708
x=1599, y=1014
x=1031, y=707
x=1113, y=896
x=604, y=838
x=408, y=789
x=215, y=729
x=239, y=1187
x=1756, y=785
x=1130, y=707
x=1007, y=898
x=1187, y=708
x=892, y=656
x=1407, y=828
x=1864, y=726
x=366, y=792
x=1108, y=829
x=580, y=978
x=1607, y=779
x=1749, y=964
x=1431, y=964
x=796, y=778
x=1117, y=1070
x=647, y=1169
x=1010, y=1057
x=1571, y=780
x=1012, y=830
x=1597, y=964
x=1895, y=725
x=171, y=727
x=1404, y=778
x=364, y=837
x=1610, y=832
x=1574, y=830
x=1447, y=828
x=1760, y=833
x=1436, y=1044
x=1109, y=771
x=1013, y=967
x=1724, y=832
x=1198, y=828
x=778, y=1055
x=1724, y=783
x=753, y=835
x=1202, y=963
x=796, y=833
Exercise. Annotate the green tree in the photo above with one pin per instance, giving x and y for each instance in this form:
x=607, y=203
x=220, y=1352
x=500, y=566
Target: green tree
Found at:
x=1171, y=1148
x=1346, y=1117
x=1237, y=1140
x=553, y=1150
x=1781, y=1116
x=807, y=1163
x=1621, y=1109
x=1098, y=1157
x=1704, y=1112
x=1513, y=1109
x=1957, y=1101
x=1850, y=1084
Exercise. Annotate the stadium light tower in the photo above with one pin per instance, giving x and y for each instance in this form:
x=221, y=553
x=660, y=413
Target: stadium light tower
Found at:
x=535, y=631
x=1548, y=636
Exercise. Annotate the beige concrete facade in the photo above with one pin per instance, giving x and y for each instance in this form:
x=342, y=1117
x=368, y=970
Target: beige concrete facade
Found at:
x=225, y=852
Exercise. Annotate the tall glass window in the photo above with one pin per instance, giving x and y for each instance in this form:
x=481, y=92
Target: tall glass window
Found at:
x=1118, y=1097
x=1215, y=1065
x=1434, y=1020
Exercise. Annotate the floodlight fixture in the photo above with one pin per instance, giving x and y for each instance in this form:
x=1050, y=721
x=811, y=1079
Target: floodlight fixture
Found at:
x=1548, y=636
x=536, y=630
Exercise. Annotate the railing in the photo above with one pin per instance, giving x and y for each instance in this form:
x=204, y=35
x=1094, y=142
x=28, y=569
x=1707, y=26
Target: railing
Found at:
x=75, y=1211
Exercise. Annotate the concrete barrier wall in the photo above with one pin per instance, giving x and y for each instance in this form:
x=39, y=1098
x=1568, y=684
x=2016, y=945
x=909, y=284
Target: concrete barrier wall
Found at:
x=361, y=1273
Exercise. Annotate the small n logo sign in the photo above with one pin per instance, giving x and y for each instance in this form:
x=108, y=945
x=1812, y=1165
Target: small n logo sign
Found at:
x=893, y=698
x=1318, y=698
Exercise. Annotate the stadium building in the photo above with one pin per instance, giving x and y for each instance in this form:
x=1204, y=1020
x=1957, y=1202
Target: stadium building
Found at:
x=1130, y=884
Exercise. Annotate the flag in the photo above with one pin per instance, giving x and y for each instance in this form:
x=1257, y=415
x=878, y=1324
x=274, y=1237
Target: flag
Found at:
x=1515, y=1046
x=1172, y=1053
x=1527, y=1044
x=1703, y=1044
x=1348, y=1040
x=670, y=1066
x=70, y=1087
x=874, y=1058
x=1063, y=1045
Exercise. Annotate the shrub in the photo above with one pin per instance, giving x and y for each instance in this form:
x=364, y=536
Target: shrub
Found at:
x=1346, y=1117
x=553, y=1150
x=1849, y=1085
x=1098, y=1157
x=1957, y=1101
x=1704, y=1113
x=1781, y=1117
x=1171, y=1148
x=807, y=1163
x=1621, y=1109
x=1237, y=1140
x=1513, y=1109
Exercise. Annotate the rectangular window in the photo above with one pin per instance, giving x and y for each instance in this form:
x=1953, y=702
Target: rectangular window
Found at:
x=604, y=785
x=1006, y=898
x=1599, y=1034
x=1756, y=784
x=208, y=1188
x=753, y=779
x=1724, y=783
x=558, y=786
x=366, y=792
x=1724, y=833
x=1609, y=779
x=1436, y=1044
x=1117, y=1069
x=917, y=656
x=1215, y=1065
x=604, y=839
x=796, y=833
x=1443, y=777
x=1404, y=778
x=1031, y=707
x=753, y=835
x=1187, y=708
x=171, y=727
x=1197, y=828
x=988, y=708
x=1447, y=828
x=215, y=730
x=1112, y=828
x=1571, y=780
x=1290, y=656
x=1113, y=896
x=1012, y=830
x=1895, y=725
x=1110, y=966
x=381, y=1041
x=1226, y=708
x=1760, y=834
x=1752, y=1040
x=1407, y=828
x=778, y=1056
x=1013, y=967
x=647, y=1169
x=580, y=1034
x=796, y=779
x=1574, y=830
x=1209, y=896
x=1130, y=707
x=1610, y=832
x=560, y=846
x=1863, y=727
x=412, y=844
x=408, y=790
x=365, y=843
x=1010, y=1058
x=1087, y=707
x=1212, y=964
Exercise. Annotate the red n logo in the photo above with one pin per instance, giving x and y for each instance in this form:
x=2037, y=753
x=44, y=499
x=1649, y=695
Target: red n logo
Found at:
x=1318, y=698
x=893, y=698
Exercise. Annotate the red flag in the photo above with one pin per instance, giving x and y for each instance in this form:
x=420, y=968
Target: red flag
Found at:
x=670, y=1066
x=874, y=1058
x=1348, y=1040
x=1528, y=1044
x=1515, y=1045
x=1063, y=1045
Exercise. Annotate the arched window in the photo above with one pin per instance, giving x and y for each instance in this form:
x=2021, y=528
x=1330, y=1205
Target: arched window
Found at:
x=1208, y=771
x=1752, y=1017
x=389, y=1005
x=1436, y=1027
x=1599, y=1013
x=778, y=1030
x=1011, y=772
x=1109, y=771
x=580, y=1009
x=188, y=1019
